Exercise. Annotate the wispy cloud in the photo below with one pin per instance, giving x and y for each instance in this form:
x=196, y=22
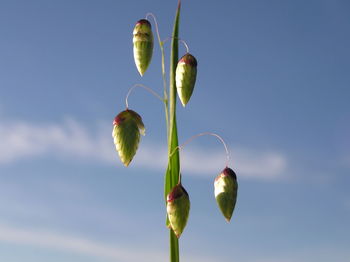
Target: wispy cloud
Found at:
x=22, y=140
x=273, y=260
x=45, y=239
x=68, y=243
x=248, y=163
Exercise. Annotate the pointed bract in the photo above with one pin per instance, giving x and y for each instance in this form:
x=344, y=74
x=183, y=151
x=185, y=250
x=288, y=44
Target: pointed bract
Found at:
x=143, y=45
x=178, y=209
x=225, y=190
x=127, y=127
x=186, y=73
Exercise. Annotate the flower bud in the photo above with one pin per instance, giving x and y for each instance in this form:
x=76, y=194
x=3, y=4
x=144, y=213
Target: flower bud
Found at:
x=225, y=189
x=186, y=73
x=178, y=209
x=127, y=127
x=143, y=45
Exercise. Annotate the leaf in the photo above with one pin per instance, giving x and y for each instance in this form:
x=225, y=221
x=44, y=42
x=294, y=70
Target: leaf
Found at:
x=172, y=173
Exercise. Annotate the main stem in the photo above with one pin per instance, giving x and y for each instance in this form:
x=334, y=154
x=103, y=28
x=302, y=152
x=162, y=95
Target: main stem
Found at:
x=172, y=173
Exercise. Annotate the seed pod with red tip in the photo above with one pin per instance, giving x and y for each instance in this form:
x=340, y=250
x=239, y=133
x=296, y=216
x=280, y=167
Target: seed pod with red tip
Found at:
x=127, y=127
x=186, y=73
x=225, y=189
x=178, y=209
x=143, y=45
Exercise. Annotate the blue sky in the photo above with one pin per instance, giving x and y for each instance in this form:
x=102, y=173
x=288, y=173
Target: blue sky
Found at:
x=273, y=81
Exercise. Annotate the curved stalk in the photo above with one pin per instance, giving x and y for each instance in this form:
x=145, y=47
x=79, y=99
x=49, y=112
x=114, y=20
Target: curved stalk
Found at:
x=150, y=90
x=205, y=134
x=182, y=41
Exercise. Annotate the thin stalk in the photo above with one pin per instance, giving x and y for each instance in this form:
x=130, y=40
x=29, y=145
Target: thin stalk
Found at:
x=180, y=147
x=182, y=41
x=166, y=104
x=144, y=87
x=161, y=46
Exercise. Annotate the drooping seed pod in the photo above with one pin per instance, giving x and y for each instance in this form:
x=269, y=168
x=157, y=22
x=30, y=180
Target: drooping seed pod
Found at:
x=178, y=209
x=186, y=73
x=127, y=127
x=225, y=189
x=143, y=45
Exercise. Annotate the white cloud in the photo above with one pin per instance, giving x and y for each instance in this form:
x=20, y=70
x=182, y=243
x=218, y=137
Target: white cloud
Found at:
x=247, y=163
x=274, y=260
x=70, y=138
x=20, y=140
x=83, y=246
x=68, y=243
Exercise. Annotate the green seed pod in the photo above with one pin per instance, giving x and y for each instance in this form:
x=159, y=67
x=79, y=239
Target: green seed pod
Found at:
x=127, y=127
x=225, y=189
x=178, y=209
x=143, y=45
x=186, y=73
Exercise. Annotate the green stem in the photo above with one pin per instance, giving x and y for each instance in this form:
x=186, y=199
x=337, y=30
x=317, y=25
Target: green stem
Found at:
x=172, y=173
x=161, y=46
x=166, y=104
